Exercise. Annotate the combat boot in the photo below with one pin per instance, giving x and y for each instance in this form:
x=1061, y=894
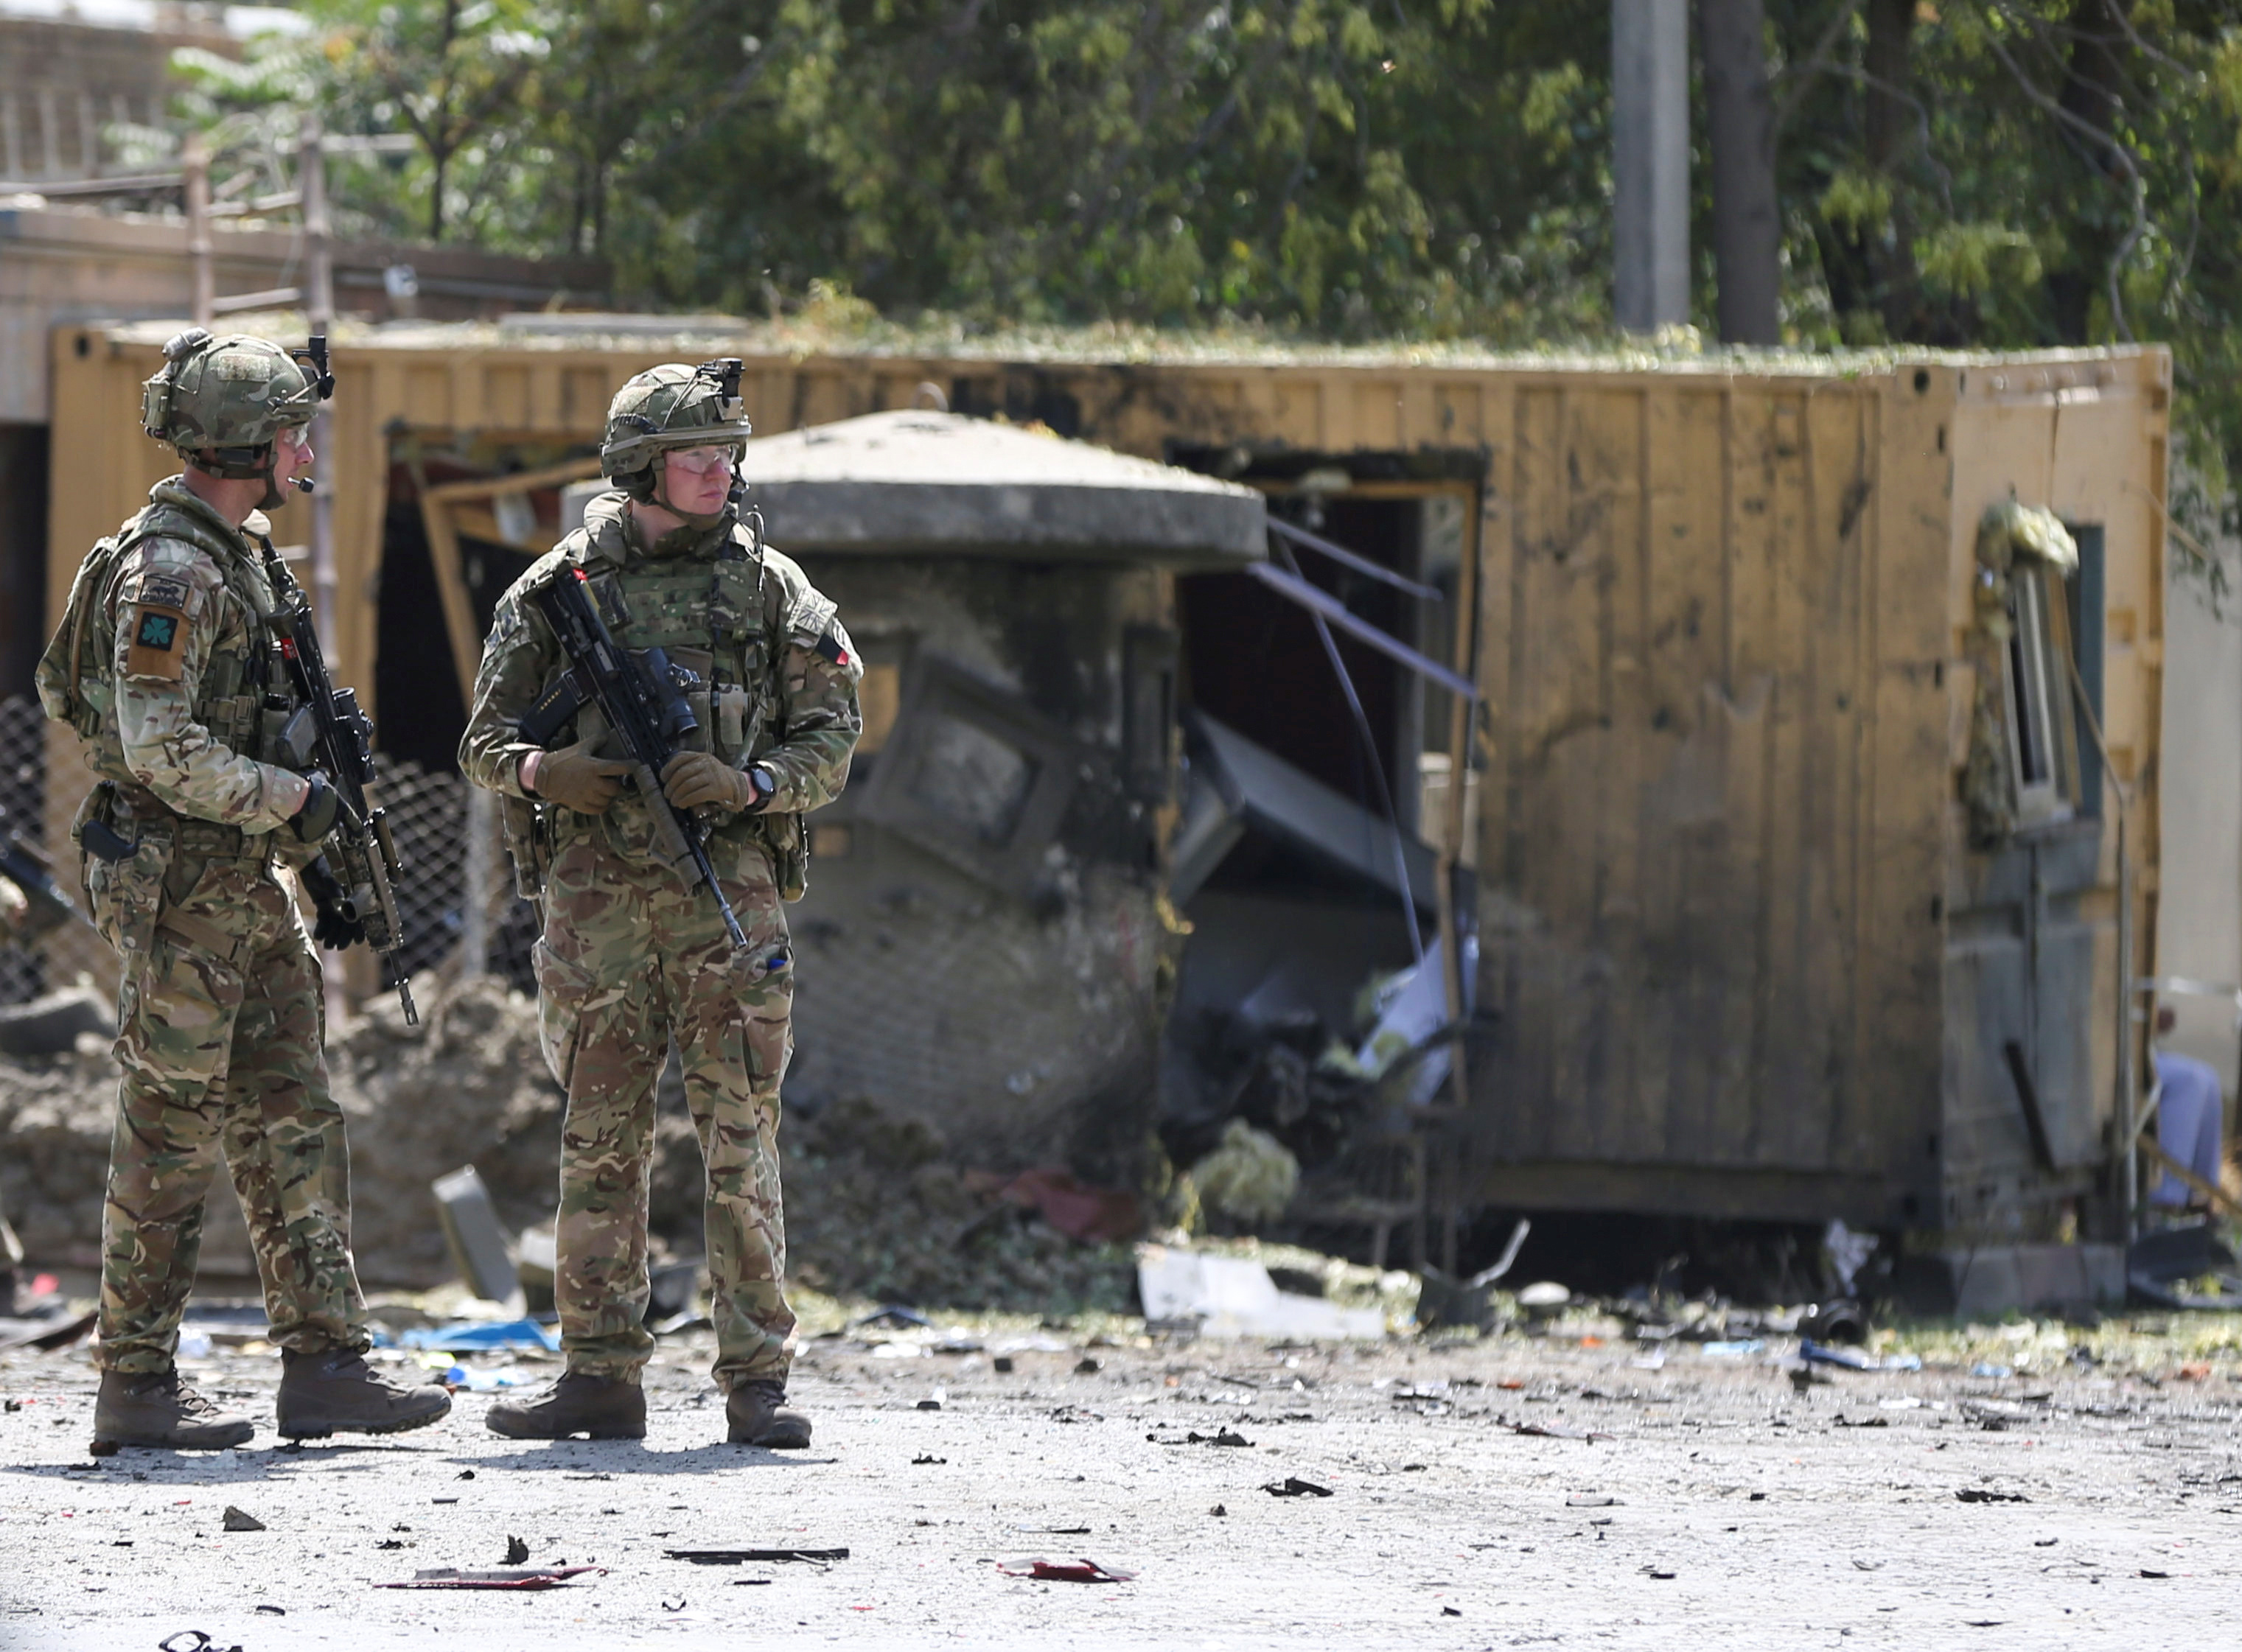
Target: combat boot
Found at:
x=336, y=1391
x=596, y=1406
x=156, y=1408
x=757, y=1412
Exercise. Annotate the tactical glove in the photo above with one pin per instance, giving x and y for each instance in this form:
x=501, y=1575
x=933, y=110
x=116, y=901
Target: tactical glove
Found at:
x=693, y=779
x=322, y=804
x=333, y=925
x=575, y=779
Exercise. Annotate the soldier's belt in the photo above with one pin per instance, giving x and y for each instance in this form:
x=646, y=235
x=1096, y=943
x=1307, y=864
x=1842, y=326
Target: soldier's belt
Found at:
x=206, y=937
x=189, y=836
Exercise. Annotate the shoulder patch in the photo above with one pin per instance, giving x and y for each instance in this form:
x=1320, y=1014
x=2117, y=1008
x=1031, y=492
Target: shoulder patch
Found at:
x=165, y=573
x=161, y=590
x=158, y=646
x=811, y=616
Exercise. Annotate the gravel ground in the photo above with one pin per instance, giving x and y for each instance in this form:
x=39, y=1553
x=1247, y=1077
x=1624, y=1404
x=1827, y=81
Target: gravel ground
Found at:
x=1705, y=1501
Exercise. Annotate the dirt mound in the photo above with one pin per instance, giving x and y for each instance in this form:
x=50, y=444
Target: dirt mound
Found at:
x=466, y=1086
x=874, y=1209
x=55, y=1114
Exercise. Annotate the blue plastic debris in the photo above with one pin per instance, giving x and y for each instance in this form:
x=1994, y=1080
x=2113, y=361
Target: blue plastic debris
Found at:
x=1854, y=1359
x=475, y=1379
x=483, y=1339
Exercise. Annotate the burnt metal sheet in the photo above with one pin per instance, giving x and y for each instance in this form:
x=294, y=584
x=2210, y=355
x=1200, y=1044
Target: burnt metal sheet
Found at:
x=974, y=774
x=1237, y=785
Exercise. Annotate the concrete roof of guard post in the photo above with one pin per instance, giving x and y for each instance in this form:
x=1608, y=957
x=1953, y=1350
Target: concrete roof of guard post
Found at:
x=944, y=483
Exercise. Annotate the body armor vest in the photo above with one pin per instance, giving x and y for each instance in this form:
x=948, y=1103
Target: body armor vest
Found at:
x=244, y=696
x=707, y=613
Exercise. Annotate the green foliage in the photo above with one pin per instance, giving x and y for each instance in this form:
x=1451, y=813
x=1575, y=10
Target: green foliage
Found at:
x=2008, y=173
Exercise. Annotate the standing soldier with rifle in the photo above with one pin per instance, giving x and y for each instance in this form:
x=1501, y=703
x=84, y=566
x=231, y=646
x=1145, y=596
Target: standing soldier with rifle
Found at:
x=664, y=648
x=172, y=665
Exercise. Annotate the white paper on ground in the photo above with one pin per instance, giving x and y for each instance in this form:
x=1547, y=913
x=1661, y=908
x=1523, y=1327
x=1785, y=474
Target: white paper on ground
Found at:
x=1230, y=1296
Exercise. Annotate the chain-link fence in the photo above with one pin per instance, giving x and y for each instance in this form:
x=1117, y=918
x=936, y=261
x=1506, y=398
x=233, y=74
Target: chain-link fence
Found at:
x=448, y=842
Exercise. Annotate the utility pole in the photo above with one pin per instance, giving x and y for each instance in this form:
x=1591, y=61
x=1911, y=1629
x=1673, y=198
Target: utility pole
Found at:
x=1650, y=162
x=319, y=307
x=194, y=164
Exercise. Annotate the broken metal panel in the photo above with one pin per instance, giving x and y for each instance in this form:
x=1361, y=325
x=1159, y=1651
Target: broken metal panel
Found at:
x=1255, y=787
x=1330, y=608
x=974, y=774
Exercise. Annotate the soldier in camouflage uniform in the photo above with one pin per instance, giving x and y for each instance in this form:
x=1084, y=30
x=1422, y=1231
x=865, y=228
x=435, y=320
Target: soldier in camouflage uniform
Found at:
x=634, y=954
x=168, y=669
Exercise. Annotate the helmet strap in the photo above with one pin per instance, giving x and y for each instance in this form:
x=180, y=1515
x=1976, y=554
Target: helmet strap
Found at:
x=244, y=464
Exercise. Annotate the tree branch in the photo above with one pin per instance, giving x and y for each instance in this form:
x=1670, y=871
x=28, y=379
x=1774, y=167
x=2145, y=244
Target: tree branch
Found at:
x=2125, y=158
x=1815, y=62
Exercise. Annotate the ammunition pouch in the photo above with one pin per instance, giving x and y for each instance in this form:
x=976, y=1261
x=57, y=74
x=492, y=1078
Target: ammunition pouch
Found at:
x=124, y=896
x=785, y=842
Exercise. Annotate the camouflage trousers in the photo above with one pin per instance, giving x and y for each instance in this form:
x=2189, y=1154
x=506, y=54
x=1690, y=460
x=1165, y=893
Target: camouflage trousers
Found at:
x=220, y=1022
x=631, y=956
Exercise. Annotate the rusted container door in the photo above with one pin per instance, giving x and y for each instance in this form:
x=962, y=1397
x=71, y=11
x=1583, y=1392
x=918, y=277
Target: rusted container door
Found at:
x=1685, y=869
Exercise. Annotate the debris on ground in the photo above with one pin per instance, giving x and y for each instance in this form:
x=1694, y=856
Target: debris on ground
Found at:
x=1227, y=1296
x=740, y=1556
x=474, y=1236
x=498, y=1577
x=496, y=1336
x=49, y=1331
x=1079, y=1571
x=240, y=1519
x=516, y=1551
x=1841, y=1319
x=1250, y=1176
x=1294, y=1485
x=2188, y=1267
x=53, y=1024
x=1078, y=1210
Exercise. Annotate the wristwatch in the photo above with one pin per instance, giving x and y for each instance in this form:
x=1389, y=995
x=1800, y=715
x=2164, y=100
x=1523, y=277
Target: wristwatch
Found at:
x=765, y=783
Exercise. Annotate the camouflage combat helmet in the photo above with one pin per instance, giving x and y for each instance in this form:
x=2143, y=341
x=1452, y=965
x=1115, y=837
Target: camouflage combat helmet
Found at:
x=671, y=406
x=229, y=398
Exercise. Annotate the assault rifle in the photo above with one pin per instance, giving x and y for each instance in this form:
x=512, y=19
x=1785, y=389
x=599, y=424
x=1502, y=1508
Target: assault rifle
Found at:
x=23, y=865
x=643, y=698
x=361, y=848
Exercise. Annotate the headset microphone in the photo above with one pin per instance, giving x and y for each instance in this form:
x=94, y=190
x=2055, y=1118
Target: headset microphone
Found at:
x=304, y=485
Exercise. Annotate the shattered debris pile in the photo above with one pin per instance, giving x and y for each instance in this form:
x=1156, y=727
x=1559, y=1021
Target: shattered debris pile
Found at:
x=874, y=1208
x=466, y=1086
x=55, y=1118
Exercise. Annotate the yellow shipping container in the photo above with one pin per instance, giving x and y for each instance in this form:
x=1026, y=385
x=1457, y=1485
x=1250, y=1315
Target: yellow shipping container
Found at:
x=1798, y=882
